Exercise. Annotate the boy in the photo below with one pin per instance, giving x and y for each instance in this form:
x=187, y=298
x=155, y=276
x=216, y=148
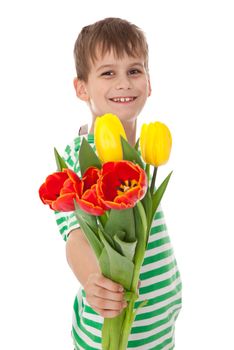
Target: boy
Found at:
x=111, y=59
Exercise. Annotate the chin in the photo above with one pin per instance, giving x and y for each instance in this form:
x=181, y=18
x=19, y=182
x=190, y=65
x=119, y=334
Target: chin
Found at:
x=126, y=115
x=125, y=118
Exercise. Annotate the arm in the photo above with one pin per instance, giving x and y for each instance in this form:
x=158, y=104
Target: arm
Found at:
x=102, y=294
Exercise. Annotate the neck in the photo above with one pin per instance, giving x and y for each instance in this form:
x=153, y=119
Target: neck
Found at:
x=129, y=128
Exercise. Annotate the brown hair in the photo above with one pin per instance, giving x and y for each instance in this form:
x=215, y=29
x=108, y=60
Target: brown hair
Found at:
x=117, y=34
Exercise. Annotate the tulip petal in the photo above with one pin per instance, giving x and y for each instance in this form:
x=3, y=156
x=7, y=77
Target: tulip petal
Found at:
x=107, y=132
x=90, y=177
x=164, y=143
x=64, y=202
x=43, y=193
x=68, y=187
x=72, y=175
x=155, y=143
x=121, y=184
x=50, y=190
x=89, y=207
x=55, y=182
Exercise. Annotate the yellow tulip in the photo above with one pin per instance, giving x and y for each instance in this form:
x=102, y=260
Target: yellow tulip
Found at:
x=107, y=131
x=155, y=143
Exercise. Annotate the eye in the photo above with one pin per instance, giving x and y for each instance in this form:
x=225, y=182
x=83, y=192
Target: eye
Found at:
x=108, y=73
x=134, y=71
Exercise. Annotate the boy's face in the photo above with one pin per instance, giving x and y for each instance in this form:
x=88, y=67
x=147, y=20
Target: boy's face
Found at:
x=118, y=86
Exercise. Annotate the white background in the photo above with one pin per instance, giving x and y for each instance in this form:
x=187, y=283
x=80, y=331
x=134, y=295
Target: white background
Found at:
x=191, y=65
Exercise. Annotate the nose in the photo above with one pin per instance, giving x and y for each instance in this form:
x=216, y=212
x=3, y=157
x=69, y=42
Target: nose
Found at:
x=123, y=83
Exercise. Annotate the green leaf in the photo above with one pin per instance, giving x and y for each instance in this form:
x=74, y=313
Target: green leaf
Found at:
x=129, y=153
x=157, y=196
x=126, y=248
x=128, y=295
x=140, y=223
x=143, y=303
x=61, y=164
x=91, y=220
x=141, y=229
x=141, y=234
x=103, y=219
x=107, y=237
x=91, y=236
x=147, y=204
x=88, y=157
x=112, y=327
x=120, y=268
x=142, y=215
x=104, y=263
x=121, y=220
x=137, y=144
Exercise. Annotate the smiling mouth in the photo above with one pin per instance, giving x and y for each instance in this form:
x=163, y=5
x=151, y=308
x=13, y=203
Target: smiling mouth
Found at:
x=123, y=99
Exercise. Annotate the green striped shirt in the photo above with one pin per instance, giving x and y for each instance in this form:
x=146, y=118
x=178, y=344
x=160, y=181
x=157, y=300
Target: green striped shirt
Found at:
x=154, y=325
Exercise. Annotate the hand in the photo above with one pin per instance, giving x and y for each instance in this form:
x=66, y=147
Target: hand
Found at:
x=104, y=296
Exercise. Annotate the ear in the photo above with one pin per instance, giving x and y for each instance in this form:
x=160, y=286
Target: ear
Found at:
x=81, y=90
x=149, y=86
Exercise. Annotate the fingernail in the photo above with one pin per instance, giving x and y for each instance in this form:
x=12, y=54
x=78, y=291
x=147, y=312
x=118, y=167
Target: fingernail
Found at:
x=121, y=289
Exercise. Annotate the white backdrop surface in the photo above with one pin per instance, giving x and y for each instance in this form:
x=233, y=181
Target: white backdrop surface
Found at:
x=191, y=67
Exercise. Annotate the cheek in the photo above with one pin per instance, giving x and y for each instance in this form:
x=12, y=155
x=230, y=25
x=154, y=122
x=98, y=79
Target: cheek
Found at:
x=148, y=90
x=144, y=86
x=98, y=91
x=145, y=90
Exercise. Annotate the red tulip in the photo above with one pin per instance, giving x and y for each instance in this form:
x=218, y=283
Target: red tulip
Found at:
x=59, y=190
x=87, y=195
x=121, y=184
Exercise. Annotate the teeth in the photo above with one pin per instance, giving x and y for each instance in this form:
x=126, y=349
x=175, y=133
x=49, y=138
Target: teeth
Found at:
x=123, y=99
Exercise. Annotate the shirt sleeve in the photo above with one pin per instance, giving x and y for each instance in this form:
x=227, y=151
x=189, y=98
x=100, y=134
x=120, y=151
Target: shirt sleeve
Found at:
x=67, y=221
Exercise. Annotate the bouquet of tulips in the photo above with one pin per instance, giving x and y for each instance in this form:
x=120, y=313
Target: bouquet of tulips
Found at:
x=115, y=202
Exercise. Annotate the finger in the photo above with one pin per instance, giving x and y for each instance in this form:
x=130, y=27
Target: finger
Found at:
x=105, y=304
x=108, y=284
x=106, y=294
x=108, y=313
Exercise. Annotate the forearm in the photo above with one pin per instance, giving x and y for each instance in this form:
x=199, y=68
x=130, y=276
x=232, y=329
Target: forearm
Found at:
x=80, y=256
x=102, y=294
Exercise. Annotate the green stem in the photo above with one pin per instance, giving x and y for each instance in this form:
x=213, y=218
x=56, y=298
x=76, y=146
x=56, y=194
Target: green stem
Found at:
x=102, y=219
x=127, y=324
x=116, y=334
x=153, y=180
x=147, y=170
x=130, y=315
x=111, y=332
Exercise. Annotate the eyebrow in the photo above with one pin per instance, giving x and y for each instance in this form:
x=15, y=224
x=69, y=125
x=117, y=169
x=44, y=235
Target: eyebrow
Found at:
x=104, y=66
